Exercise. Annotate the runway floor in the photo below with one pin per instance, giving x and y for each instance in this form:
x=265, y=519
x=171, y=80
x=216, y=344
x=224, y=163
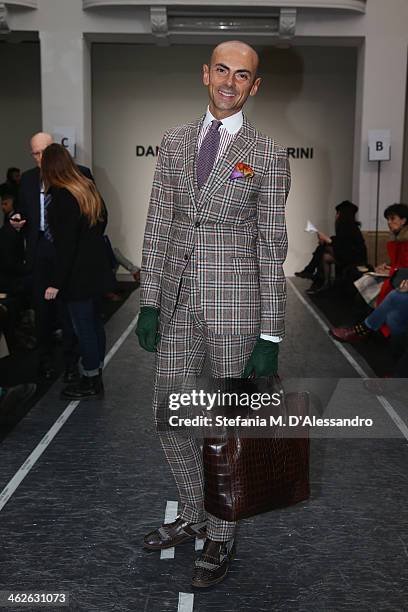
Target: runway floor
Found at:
x=81, y=485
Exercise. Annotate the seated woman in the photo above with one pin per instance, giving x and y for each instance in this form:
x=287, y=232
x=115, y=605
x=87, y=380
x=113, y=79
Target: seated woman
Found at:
x=393, y=311
x=397, y=220
x=345, y=249
x=76, y=220
x=375, y=292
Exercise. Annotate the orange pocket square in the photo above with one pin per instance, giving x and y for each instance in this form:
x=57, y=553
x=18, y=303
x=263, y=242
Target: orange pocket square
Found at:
x=241, y=170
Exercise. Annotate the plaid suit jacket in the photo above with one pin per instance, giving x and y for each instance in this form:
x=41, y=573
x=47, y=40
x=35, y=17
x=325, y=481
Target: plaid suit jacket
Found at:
x=233, y=228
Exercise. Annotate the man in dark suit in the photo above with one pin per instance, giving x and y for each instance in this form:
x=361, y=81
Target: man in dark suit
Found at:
x=40, y=259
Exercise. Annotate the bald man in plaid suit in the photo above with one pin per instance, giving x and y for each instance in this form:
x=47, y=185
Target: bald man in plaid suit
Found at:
x=212, y=282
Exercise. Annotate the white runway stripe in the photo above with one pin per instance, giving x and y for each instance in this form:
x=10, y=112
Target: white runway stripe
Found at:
x=121, y=340
x=185, y=602
x=394, y=416
x=199, y=543
x=32, y=459
x=325, y=327
x=169, y=516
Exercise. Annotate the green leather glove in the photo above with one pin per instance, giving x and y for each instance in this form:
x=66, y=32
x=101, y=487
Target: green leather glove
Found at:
x=147, y=328
x=263, y=360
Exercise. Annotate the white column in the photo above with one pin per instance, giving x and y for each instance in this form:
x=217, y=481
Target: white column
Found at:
x=66, y=88
x=380, y=104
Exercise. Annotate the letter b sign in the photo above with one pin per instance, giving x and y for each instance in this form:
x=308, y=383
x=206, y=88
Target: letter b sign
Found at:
x=379, y=145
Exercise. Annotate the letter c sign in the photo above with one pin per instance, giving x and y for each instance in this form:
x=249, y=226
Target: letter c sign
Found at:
x=66, y=136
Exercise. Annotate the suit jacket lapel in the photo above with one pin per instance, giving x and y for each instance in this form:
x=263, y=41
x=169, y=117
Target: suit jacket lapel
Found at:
x=189, y=150
x=241, y=146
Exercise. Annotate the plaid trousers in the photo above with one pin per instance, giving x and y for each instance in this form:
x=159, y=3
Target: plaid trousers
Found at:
x=184, y=345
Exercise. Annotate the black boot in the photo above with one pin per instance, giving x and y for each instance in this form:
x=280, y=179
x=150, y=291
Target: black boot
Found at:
x=310, y=269
x=305, y=274
x=88, y=387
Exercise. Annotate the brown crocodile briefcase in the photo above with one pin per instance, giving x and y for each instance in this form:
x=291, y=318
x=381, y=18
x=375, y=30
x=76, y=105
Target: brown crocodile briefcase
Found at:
x=245, y=476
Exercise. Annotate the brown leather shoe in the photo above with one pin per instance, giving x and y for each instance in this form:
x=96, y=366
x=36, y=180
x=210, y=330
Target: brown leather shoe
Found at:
x=213, y=563
x=346, y=334
x=171, y=534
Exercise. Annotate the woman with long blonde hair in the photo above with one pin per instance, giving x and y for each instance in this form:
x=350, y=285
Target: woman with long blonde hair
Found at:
x=76, y=221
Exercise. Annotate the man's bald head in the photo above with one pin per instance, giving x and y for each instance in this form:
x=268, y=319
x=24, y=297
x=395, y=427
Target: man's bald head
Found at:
x=238, y=47
x=231, y=77
x=38, y=143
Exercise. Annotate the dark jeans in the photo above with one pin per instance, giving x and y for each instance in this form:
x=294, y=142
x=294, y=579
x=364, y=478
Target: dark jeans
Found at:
x=86, y=316
x=393, y=311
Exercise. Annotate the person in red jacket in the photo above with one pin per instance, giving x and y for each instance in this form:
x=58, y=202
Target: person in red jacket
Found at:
x=397, y=219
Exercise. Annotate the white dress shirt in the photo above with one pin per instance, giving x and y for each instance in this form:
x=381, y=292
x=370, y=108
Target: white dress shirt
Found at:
x=42, y=212
x=228, y=130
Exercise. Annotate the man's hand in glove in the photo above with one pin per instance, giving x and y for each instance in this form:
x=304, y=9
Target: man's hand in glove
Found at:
x=147, y=328
x=263, y=360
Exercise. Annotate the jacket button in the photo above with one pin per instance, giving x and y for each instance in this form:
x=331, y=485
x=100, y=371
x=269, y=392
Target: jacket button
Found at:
x=197, y=224
x=186, y=256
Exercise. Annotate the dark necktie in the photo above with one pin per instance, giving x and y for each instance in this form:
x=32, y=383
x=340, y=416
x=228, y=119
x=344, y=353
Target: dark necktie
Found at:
x=208, y=152
x=47, y=231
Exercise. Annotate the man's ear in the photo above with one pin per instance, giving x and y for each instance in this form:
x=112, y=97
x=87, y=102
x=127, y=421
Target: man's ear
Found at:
x=206, y=75
x=255, y=86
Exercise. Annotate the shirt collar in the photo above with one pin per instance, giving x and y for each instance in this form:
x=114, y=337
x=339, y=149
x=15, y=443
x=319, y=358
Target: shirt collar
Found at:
x=232, y=124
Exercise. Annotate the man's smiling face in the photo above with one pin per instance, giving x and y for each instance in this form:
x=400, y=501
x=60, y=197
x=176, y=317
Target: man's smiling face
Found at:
x=230, y=78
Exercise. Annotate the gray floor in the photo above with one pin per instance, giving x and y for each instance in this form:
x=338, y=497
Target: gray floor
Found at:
x=76, y=521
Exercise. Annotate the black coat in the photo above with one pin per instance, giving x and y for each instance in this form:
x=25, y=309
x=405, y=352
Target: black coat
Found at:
x=348, y=245
x=29, y=207
x=82, y=265
x=11, y=256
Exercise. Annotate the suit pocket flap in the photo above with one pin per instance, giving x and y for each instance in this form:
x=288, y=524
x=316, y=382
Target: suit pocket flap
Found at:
x=245, y=265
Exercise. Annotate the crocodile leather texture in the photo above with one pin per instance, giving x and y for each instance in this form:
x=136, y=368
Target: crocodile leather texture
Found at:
x=247, y=476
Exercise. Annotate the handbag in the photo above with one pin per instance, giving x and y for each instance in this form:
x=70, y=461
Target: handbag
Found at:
x=245, y=476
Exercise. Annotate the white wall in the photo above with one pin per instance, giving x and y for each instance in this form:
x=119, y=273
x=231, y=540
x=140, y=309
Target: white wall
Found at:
x=382, y=34
x=20, y=103
x=404, y=190
x=306, y=99
x=382, y=106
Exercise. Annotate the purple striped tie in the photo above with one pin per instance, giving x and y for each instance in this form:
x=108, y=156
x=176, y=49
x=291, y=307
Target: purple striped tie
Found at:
x=208, y=152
